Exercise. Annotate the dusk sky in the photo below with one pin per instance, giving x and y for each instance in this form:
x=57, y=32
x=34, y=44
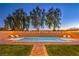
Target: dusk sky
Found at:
x=70, y=12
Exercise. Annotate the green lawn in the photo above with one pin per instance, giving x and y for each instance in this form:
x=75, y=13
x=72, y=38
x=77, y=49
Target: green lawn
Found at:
x=15, y=50
x=63, y=50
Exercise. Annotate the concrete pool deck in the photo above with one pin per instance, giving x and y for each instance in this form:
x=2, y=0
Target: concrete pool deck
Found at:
x=6, y=34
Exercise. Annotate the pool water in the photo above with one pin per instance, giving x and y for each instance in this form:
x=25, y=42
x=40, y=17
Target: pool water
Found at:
x=42, y=39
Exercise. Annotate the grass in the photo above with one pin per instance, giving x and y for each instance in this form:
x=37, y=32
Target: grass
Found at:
x=63, y=50
x=15, y=50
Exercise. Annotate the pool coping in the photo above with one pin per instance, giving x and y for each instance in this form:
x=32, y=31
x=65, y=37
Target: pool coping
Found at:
x=75, y=42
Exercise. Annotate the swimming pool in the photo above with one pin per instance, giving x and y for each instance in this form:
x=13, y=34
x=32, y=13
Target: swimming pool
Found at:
x=42, y=39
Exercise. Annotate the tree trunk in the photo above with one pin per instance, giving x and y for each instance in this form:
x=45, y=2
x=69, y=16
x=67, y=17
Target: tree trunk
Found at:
x=54, y=28
x=37, y=28
x=26, y=29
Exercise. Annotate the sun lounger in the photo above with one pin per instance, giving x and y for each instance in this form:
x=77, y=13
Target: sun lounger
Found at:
x=68, y=36
x=12, y=36
x=64, y=36
x=16, y=35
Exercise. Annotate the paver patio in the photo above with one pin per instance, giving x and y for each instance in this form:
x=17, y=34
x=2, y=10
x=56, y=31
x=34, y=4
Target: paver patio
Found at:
x=39, y=50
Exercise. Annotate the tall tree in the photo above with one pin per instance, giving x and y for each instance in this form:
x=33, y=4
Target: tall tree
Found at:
x=57, y=14
x=50, y=17
x=17, y=21
x=43, y=18
x=26, y=23
x=5, y=24
x=53, y=18
x=37, y=17
x=9, y=22
x=18, y=18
